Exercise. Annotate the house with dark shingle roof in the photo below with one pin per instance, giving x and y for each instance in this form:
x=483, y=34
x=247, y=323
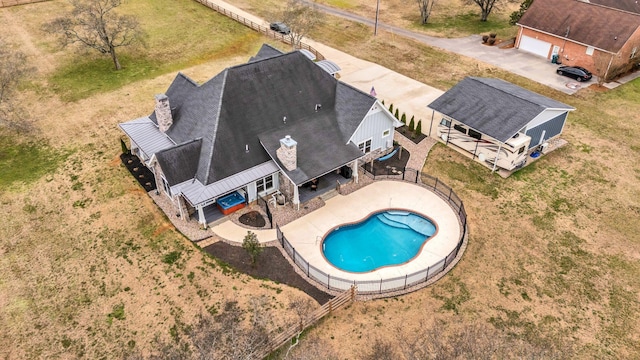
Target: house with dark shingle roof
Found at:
x=497, y=122
x=600, y=35
x=275, y=124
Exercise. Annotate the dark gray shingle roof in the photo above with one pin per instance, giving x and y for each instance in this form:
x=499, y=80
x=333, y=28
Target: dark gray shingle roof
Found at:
x=180, y=162
x=492, y=106
x=231, y=110
x=316, y=155
x=266, y=51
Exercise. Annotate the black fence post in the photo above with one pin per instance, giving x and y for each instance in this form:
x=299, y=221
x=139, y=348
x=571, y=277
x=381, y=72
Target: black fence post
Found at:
x=450, y=191
x=380, y=286
x=308, y=271
x=417, y=174
x=405, y=281
x=427, y=277
x=328, y=280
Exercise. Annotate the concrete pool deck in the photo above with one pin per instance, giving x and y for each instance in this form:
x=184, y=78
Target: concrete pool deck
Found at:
x=306, y=234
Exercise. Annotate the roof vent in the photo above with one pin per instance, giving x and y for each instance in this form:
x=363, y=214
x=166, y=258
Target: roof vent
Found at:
x=318, y=107
x=284, y=120
x=246, y=148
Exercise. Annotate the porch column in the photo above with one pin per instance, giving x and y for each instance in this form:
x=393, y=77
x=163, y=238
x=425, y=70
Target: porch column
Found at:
x=354, y=170
x=296, y=195
x=184, y=214
x=201, y=218
x=156, y=175
x=495, y=163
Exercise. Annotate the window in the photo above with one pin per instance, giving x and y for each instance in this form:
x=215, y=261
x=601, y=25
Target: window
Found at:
x=264, y=184
x=386, y=133
x=521, y=150
x=445, y=122
x=474, y=134
x=590, y=50
x=166, y=187
x=634, y=52
x=460, y=128
x=365, y=146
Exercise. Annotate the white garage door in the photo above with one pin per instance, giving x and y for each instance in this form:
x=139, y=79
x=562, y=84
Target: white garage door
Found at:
x=535, y=46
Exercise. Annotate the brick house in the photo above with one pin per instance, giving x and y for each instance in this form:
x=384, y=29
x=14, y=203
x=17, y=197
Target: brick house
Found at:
x=600, y=35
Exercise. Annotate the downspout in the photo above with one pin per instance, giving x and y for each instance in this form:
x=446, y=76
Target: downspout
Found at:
x=608, y=67
x=449, y=134
x=495, y=163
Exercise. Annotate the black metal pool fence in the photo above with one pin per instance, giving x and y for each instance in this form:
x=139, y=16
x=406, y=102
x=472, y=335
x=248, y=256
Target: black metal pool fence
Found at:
x=393, y=284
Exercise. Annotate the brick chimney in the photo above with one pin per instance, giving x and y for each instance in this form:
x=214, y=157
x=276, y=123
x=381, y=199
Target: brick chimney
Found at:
x=163, y=112
x=287, y=153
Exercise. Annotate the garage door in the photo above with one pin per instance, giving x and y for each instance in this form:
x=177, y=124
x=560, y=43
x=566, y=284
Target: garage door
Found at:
x=535, y=46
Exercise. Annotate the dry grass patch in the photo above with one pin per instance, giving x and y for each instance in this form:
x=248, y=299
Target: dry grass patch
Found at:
x=89, y=269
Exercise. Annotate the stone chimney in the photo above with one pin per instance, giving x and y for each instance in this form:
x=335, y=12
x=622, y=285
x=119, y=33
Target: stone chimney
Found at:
x=287, y=153
x=163, y=112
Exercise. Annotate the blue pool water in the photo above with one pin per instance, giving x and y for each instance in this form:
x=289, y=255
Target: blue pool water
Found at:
x=383, y=239
x=230, y=200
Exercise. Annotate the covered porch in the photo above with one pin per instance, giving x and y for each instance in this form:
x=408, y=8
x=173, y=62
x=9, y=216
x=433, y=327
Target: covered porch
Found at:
x=323, y=185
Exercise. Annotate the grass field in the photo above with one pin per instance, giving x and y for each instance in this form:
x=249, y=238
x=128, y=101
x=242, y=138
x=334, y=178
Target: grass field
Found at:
x=89, y=267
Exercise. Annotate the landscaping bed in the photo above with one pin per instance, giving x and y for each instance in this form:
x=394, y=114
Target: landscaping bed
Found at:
x=271, y=265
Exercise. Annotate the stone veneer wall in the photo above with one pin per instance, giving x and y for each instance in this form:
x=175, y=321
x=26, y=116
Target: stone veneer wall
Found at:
x=163, y=112
x=288, y=157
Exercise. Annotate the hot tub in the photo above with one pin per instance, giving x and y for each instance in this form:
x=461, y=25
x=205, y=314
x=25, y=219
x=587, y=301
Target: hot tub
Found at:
x=230, y=203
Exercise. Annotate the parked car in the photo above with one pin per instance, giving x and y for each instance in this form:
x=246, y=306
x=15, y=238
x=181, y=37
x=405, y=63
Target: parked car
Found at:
x=576, y=72
x=280, y=27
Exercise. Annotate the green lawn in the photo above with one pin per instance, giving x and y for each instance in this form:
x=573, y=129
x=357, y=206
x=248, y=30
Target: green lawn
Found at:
x=179, y=34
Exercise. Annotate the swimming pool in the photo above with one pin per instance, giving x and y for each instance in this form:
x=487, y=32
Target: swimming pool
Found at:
x=385, y=238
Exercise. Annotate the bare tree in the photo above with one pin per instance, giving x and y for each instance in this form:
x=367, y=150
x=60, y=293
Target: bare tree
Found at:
x=425, y=9
x=486, y=6
x=94, y=24
x=13, y=69
x=301, y=18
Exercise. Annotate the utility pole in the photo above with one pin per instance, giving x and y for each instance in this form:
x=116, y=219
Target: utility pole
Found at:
x=375, y=29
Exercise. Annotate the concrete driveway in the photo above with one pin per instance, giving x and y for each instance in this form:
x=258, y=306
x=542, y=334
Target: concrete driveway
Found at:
x=518, y=62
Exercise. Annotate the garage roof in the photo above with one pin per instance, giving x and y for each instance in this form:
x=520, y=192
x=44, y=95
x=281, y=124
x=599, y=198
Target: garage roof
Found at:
x=492, y=106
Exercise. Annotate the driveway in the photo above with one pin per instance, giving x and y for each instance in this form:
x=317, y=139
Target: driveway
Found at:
x=518, y=62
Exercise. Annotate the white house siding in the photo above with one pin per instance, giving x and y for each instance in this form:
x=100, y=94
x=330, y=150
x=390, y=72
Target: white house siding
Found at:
x=544, y=116
x=546, y=130
x=373, y=127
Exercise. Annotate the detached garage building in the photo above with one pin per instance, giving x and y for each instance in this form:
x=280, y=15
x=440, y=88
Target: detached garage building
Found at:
x=497, y=122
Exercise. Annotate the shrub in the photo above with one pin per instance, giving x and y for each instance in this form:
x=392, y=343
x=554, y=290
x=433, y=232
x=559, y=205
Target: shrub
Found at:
x=382, y=102
x=252, y=246
x=397, y=115
x=403, y=119
x=485, y=38
x=493, y=35
x=411, y=124
x=492, y=41
x=171, y=257
x=391, y=108
x=412, y=120
x=419, y=128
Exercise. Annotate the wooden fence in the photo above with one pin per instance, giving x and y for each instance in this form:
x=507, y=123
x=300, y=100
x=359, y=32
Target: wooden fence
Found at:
x=284, y=337
x=257, y=27
x=7, y=3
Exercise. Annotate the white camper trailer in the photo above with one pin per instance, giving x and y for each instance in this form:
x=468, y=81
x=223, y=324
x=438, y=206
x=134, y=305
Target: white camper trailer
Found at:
x=509, y=155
